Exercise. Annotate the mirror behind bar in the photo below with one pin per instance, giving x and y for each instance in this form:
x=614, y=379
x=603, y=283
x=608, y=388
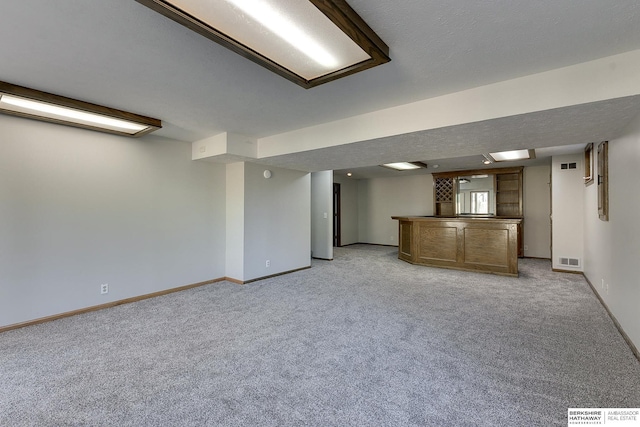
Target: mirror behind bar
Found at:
x=479, y=193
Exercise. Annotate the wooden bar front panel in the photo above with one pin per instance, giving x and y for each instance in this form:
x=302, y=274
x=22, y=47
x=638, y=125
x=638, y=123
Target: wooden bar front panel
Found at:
x=405, y=240
x=477, y=244
x=486, y=246
x=437, y=243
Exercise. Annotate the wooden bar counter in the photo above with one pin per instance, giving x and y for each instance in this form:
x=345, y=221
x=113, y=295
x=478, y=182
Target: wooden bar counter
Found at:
x=487, y=245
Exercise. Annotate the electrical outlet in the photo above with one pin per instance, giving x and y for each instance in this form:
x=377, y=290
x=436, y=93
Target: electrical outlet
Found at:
x=268, y=263
x=104, y=288
x=526, y=247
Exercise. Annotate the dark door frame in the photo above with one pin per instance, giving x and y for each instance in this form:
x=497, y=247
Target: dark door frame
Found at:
x=336, y=215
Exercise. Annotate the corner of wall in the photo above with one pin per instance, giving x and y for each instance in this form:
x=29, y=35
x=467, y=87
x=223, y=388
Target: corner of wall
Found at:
x=567, y=204
x=234, y=221
x=322, y=214
x=277, y=221
x=537, y=211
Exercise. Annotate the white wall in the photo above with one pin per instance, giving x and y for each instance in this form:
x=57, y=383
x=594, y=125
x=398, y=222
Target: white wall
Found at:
x=277, y=224
x=612, y=248
x=80, y=208
x=537, y=208
x=381, y=198
x=234, y=253
x=267, y=219
x=322, y=214
x=348, y=209
x=567, y=203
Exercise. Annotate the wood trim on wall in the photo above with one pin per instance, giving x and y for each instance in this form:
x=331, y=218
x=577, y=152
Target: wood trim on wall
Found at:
x=135, y=299
x=106, y=305
x=588, y=164
x=370, y=244
x=244, y=282
x=630, y=343
x=560, y=270
x=603, y=180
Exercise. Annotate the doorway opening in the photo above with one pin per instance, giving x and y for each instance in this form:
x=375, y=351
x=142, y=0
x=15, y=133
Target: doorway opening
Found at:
x=336, y=215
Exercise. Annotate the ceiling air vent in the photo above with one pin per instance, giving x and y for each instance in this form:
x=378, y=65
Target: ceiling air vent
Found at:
x=570, y=262
x=568, y=165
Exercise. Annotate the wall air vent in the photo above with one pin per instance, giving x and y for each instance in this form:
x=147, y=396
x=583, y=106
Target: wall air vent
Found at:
x=570, y=262
x=572, y=165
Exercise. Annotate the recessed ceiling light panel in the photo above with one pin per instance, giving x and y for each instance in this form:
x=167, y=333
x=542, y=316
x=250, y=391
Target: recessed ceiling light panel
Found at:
x=506, y=156
x=405, y=166
x=309, y=42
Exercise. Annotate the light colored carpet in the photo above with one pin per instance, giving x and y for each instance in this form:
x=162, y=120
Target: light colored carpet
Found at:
x=365, y=339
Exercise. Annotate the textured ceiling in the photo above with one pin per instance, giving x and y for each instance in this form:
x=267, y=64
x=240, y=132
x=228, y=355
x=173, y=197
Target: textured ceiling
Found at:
x=121, y=54
x=462, y=146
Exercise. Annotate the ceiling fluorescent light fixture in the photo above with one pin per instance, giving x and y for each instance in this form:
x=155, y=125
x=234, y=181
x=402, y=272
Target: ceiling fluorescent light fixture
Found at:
x=405, y=166
x=308, y=42
x=507, y=156
x=24, y=102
